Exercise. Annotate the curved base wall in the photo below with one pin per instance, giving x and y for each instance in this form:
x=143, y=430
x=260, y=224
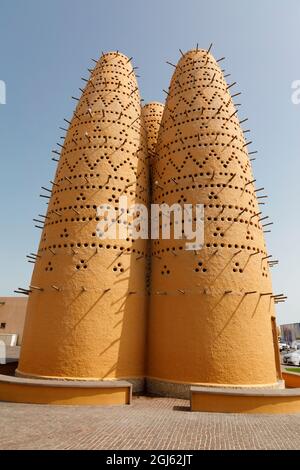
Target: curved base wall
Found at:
x=55, y=392
x=167, y=388
x=138, y=383
x=248, y=401
x=292, y=380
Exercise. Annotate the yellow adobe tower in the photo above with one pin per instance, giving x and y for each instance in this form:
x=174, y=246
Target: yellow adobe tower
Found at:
x=87, y=306
x=212, y=314
x=152, y=114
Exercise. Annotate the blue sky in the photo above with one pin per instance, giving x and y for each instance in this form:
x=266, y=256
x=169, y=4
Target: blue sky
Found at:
x=46, y=46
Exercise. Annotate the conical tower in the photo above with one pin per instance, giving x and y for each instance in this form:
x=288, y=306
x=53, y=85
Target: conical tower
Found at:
x=86, y=312
x=152, y=114
x=211, y=310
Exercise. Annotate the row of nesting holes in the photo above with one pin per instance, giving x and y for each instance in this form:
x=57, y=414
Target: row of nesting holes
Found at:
x=213, y=69
x=209, y=65
x=93, y=136
x=212, y=245
x=197, y=89
x=195, y=175
x=186, y=146
x=87, y=206
x=84, y=219
x=93, y=245
x=194, y=110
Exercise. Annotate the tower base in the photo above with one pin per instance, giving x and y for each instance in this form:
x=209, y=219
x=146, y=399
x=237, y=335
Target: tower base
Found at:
x=167, y=388
x=230, y=400
x=64, y=392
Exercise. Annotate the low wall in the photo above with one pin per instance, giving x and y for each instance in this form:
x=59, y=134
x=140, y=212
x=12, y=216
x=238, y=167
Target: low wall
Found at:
x=292, y=380
x=55, y=392
x=245, y=401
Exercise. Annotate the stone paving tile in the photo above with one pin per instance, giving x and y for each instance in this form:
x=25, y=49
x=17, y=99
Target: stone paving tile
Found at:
x=149, y=423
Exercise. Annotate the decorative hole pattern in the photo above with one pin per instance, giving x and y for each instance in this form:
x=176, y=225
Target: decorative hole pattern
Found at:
x=102, y=156
x=201, y=156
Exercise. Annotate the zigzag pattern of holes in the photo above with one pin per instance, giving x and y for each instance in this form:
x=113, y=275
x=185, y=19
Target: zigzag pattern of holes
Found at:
x=116, y=148
x=198, y=89
x=83, y=116
x=200, y=161
x=114, y=166
x=185, y=144
x=174, y=125
x=90, y=99
x=208, y=100
x=193, y=177
x=107, y=164
x=100, y=132
x=229, y=160
x=246, y=169
x=109, y=99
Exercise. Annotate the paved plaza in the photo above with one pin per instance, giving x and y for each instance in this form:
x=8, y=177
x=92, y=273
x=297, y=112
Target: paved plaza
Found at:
x=149, y=423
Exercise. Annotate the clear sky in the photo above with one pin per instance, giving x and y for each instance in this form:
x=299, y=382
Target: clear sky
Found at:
x=46, y=46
